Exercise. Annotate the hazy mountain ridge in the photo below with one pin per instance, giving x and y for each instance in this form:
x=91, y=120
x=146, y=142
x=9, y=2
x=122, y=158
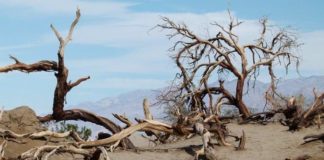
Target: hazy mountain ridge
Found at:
x=130, y=103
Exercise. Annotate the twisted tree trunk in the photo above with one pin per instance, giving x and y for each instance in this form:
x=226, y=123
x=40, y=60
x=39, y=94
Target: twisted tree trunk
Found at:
x=239, y=99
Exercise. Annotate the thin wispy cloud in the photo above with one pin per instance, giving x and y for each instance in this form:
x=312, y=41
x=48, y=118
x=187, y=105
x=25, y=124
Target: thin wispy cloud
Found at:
x=92, y=8
x=107, y=26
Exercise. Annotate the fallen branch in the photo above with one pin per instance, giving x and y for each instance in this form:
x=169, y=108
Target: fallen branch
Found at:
x=118, y=136
x=123, y=119
x=38, y=152
x=314, y=137
x=42, y=134
x=79, y=114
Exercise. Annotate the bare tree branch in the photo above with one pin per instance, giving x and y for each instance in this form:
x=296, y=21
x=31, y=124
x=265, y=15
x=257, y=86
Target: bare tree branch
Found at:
x=48, y=66
x=201, y=60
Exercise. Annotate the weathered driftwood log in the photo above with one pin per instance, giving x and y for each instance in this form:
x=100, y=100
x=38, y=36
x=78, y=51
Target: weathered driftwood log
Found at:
x=118, y=136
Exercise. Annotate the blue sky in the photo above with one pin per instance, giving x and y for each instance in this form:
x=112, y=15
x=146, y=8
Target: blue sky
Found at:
x=113, y=42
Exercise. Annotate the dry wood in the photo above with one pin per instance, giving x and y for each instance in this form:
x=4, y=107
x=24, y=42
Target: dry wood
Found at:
x=123, y=119
x=118, y=136
x=1, y=113
x=104, y=153
x=2, y=149
x=314, y=137
x=207, y=148
x=11, y=134
x=115, y=145
x=241, y=145
x=146, y=108
x=200, y=59
x=199, y=128
x=39, y=152
x=211, y=154
x=42, y=134
x=185, y=126
x=63, y=86
x=295, y=116
x=300, y=119
x=51, y=153
x=44, y=65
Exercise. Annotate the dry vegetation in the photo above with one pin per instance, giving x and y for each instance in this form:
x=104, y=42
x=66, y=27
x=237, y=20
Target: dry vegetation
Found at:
x=200, y=61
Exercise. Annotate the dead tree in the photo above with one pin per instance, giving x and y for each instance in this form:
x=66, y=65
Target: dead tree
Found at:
x=92, y=149
x=201, y=59
x=295, y=116
x=63, y=86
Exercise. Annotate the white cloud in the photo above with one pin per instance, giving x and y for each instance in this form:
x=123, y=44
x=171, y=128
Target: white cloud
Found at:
x=312, y=51
x=135, y=29
x=114, y=25
x=150, y=53
x=67, y=7
x=148, y=60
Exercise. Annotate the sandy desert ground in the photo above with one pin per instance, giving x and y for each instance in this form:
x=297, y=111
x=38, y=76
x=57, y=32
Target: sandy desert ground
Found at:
x=266, y=142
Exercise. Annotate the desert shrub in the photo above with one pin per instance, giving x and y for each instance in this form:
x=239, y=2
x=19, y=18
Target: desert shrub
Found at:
x=63, y=126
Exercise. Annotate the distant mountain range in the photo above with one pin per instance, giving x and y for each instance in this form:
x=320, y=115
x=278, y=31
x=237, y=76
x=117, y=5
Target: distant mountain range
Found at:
x=130, y=103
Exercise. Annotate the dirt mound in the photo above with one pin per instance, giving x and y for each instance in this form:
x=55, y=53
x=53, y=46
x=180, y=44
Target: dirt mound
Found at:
x=23, y=120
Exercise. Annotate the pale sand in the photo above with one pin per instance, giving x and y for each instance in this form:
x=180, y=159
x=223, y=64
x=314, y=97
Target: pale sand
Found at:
x=266, y=142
